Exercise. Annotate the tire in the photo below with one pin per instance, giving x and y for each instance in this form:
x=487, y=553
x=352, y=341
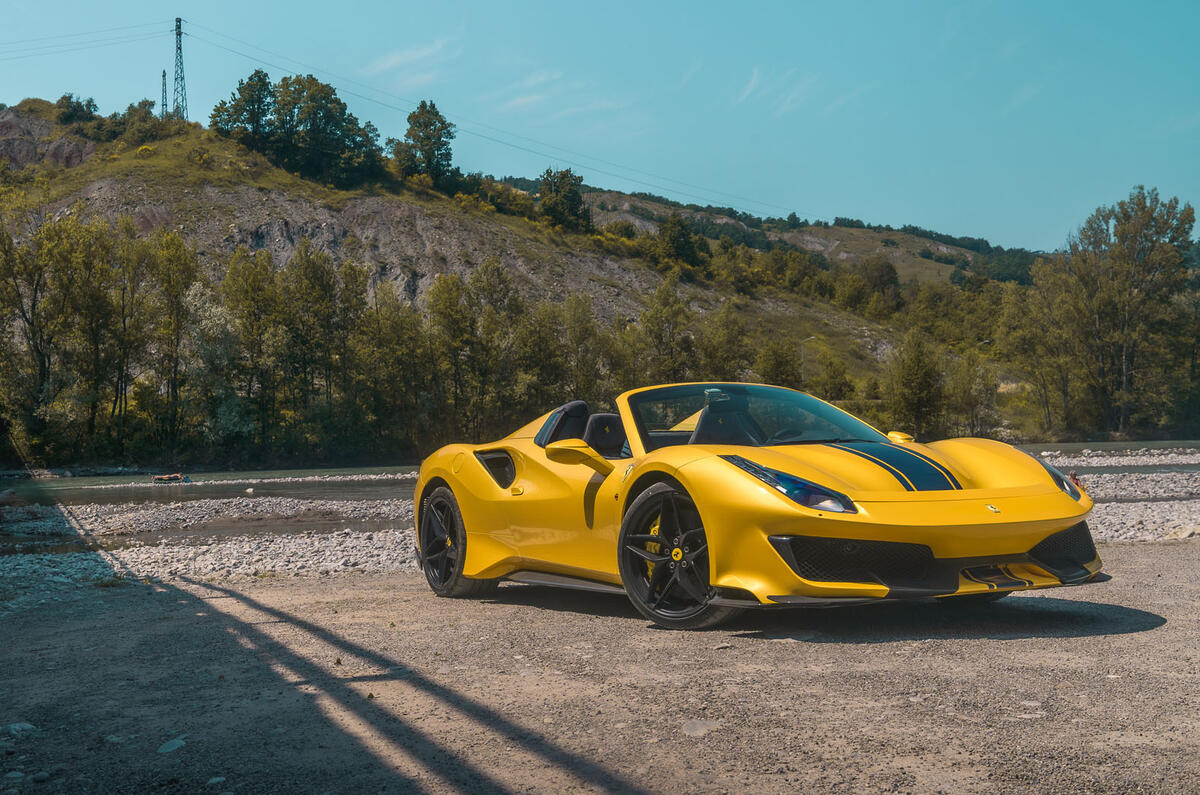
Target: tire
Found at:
x=442, y=548
x=666, y=584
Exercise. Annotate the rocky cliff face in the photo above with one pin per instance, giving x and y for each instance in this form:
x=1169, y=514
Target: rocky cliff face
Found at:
x=26, y=140
x=403, y=241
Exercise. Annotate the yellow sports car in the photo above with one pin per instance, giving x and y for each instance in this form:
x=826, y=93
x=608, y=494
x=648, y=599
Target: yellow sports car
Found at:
x=698, y=500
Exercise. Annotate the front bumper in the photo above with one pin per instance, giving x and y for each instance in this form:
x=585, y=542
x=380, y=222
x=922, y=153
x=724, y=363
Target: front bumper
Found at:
x=910, y=570
x=844, y=571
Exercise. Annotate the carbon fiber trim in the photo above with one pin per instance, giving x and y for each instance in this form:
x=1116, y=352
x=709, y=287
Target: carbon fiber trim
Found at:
x=911, y=570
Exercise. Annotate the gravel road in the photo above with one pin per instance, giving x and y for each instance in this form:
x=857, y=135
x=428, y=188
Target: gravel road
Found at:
x=357, y=682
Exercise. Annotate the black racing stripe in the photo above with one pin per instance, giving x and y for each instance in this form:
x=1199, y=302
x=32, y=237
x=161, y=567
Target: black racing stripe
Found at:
x=923, y=457
x=922, y=474
x=897, y=474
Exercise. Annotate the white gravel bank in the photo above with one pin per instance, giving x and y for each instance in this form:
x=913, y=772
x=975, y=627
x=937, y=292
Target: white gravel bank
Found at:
x=1167, y=456
x=26, y=580
x=1145, y=521
x=1142, y=485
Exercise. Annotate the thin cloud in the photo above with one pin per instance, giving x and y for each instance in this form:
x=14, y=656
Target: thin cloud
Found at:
x=750, y=86
x=1011, y=48
x=409, y=82
x=1023, y=96
x=796, y=95
x=523, y=101
x=849, y=96
x=592, y=107
x=687, y=78
x=406, y=56
x=537, y=78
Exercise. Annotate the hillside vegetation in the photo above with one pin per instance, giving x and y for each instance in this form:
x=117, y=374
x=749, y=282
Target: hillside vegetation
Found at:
x=253, y=293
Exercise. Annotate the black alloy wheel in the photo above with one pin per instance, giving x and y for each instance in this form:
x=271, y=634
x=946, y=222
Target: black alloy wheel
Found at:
x=663, y=560
x=442, y=547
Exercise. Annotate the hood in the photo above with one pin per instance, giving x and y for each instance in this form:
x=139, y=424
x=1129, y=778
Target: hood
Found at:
x=879, y=468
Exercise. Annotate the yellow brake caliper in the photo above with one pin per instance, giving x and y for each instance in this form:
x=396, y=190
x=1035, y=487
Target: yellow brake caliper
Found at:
x=653, y=549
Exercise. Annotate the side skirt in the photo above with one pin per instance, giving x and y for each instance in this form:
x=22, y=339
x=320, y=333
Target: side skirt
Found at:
x=563, y=581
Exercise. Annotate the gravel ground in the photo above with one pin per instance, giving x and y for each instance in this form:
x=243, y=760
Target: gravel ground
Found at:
x=369, y=683
x=1105, y=487
x=148, y=517
x=1166, y=456
x=1145, y=521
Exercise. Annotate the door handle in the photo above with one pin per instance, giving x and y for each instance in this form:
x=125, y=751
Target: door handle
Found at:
x=516, y=491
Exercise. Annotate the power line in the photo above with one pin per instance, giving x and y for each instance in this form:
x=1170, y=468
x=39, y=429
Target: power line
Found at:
x=476, y=122
x=85, y=33
x=65, y=49
x=708, y=199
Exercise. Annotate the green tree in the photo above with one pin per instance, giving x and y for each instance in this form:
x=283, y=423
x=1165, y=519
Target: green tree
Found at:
x=174, y=269
x=454, y=339
x=831, y=381
x=777, y=363
x=675, y=242
x=915, y=387
x=722, y=351
x=562, y=201
x=247, y=115
x=251, y=297
x=426, y=145
x=1114, y=297
x=971, y=388
x=666, y=344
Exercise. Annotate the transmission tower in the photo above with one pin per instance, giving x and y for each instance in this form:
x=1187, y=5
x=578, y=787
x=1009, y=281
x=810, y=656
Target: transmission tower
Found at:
x=179, y=100
x=162, y=109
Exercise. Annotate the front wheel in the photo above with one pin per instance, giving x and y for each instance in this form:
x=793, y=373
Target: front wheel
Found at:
x=662, y=555
x=442, y=547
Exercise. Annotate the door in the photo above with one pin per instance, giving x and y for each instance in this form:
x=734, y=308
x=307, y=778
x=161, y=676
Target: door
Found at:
x=564, y=517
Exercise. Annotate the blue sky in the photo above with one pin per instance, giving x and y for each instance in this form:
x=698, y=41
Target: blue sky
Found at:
x=1007, y=120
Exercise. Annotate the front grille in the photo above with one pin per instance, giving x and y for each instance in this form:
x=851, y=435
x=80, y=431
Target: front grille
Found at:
x=850, y=560
x=1065, y=553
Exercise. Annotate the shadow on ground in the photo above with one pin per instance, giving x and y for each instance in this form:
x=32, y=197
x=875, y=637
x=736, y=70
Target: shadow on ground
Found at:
x=1019, y=616
x=137, y=686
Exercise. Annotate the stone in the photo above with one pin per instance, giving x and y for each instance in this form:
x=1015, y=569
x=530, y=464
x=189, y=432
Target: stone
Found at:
x=172, y=745
x=699, y=728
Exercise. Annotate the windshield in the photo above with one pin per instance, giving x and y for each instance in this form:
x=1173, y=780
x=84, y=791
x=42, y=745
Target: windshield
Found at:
x=741, y=414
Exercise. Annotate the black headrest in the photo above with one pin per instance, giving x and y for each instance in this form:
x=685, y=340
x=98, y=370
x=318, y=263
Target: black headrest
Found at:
x=725, y=422
x=605, y=434
x=570, y=422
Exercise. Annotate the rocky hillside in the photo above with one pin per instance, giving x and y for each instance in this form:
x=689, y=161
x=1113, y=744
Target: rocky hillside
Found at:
x=838, y=244
x=222, y=196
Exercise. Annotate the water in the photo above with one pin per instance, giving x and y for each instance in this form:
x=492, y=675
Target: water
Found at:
x=133, y=489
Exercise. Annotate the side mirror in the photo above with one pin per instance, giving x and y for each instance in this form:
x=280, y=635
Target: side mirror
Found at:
x=577, y=451
x=899, y=438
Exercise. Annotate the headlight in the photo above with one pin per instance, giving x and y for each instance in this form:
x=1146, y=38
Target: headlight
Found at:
x=810, y=495
x=1062, y=480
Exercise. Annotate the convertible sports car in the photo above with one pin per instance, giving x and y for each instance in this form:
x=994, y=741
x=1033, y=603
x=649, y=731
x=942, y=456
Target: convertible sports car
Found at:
x=698, y=500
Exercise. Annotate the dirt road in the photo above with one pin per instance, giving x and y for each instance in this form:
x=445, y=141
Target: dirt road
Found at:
x=357, y=683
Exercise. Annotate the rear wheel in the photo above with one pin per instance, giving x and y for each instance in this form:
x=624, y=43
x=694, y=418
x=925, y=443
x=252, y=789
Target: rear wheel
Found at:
x=442, y=547
x=662, y=555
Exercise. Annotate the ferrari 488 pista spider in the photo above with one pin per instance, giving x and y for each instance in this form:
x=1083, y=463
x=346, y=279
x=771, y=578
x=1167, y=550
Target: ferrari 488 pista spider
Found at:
x=699, y=500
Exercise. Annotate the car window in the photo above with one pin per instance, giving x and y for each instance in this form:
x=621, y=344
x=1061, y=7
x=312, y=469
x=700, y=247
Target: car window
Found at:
x=740, y=414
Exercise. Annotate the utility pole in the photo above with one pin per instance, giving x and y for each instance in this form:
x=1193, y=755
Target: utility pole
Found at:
x=803, y=381
x=162, y=109
x=179, y=100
